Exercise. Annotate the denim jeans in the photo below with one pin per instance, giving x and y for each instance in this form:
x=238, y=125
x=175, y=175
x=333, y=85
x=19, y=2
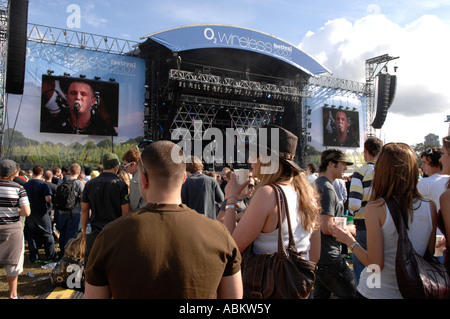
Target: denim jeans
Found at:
x=38, y=232
x=358, y=266
x=337, y=279
x=69, y=226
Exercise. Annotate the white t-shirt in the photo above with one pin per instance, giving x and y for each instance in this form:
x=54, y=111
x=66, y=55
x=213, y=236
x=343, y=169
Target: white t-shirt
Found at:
x=433, y=186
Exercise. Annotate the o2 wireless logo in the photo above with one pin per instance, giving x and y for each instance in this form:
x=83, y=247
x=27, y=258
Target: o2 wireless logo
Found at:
x=246, y=42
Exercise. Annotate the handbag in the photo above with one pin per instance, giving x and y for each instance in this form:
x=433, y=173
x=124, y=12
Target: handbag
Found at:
x=285, y=274
x=417, y=277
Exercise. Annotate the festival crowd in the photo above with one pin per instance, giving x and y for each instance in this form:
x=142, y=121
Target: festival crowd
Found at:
x=147, y=226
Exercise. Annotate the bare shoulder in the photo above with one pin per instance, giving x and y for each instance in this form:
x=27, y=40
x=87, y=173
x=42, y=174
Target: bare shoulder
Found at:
x=376, y=210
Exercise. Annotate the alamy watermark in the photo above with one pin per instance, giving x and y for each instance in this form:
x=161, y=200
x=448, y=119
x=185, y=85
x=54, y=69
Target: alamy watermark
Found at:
x=74, y=18
x=222, y=146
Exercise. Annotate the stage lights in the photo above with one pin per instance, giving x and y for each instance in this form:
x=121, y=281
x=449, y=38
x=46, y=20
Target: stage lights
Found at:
x=50, y=72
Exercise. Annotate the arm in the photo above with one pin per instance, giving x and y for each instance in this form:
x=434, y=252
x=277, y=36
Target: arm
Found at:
x=314, y=251
x=85, y=207
x=432, y=240
x=356, y=192
x=375, y=215
x=125, y=209
x=253, y=221
x=25, y=210
x=97, y=292
x=445, y=212
x=48, y=198
x=230, y=287
x=326, y=224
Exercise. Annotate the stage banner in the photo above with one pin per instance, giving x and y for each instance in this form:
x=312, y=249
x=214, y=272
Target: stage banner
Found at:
x=222, y=36
x=76, y=105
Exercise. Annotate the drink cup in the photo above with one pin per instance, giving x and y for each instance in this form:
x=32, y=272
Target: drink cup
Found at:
x=438, y=252
x=242, y=175
x=340, y=222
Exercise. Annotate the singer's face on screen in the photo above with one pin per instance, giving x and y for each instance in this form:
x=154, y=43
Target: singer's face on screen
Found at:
x=82, y=92
x=341, y=122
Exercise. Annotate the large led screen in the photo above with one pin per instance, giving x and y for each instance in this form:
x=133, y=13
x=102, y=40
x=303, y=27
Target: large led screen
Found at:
x=79, y=106
x=340, y=127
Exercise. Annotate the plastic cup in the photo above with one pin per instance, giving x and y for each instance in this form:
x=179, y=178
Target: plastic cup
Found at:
x=438, y=252
x=242, y=175
x=340, y=222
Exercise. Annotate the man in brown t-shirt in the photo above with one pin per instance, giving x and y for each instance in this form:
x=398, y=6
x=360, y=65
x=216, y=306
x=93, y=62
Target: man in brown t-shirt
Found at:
x=165, y=250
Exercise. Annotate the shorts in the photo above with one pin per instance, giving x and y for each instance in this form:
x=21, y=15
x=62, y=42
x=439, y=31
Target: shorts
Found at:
x=15, y=270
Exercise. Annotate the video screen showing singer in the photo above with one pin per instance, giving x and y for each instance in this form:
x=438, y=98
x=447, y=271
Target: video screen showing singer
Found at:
x=78, y=109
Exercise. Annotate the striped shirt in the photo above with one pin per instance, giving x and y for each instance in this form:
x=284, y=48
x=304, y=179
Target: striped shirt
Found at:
x=12, y=197
x=360, y=189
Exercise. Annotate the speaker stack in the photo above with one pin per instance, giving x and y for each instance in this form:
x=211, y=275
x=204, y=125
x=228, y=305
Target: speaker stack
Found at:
x=17, y=45
x=386, y=91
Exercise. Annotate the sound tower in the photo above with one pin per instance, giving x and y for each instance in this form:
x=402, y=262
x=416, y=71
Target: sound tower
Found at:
x=386, y=92
x=17, y=45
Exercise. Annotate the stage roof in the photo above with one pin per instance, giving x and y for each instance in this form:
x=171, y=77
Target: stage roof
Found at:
x=212, y=36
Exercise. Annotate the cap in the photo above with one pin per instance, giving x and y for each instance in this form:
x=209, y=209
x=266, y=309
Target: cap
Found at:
x=337, y=156
x=7, y=167
x=94, y=174
x=110, y=160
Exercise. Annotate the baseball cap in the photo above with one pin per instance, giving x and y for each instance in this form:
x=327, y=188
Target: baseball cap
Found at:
x=110, y=160
x=337, y=156
x=7, y=167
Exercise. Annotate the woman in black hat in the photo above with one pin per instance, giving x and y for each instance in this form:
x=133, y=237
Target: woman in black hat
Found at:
x=259, y=223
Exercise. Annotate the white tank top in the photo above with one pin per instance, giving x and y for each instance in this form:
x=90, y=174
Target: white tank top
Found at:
x=268, y=242
x=419, y=234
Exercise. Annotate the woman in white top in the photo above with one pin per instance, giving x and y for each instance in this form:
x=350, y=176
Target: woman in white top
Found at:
x=259, y=222
x=396, y=175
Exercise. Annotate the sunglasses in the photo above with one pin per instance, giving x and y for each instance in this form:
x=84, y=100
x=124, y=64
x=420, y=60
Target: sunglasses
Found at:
x=140, y=147
x=430, y=151
x=142, y=144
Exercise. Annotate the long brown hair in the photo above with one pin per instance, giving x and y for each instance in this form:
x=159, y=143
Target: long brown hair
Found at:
x=307, y=195
x=396, y=176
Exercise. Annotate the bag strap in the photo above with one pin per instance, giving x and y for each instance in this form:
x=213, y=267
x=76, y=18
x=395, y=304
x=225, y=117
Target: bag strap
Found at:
x=282, y=207
x=397, y=217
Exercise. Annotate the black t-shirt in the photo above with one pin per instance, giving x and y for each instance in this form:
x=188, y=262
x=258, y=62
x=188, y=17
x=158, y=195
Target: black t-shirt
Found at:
x=330, y=251
x=106, y=194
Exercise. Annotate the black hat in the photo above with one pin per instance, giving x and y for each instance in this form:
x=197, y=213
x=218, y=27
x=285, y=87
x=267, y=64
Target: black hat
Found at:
x=336, y=156
x=287, y=144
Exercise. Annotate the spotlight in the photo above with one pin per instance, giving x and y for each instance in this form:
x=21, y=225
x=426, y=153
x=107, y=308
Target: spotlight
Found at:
x=112, y=80
x=82, y=76
x=97, y=78
x=50, y=72
x=66, y=74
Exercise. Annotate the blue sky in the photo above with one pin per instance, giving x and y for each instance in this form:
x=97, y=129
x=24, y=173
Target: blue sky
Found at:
x=339, y=34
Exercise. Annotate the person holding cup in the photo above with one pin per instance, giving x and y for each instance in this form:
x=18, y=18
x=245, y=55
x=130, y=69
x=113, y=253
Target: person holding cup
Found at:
x=396, y=176
x=259, y=222
x=333, y=274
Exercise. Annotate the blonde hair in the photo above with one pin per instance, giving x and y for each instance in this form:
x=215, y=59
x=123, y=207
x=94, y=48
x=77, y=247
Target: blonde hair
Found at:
x=308, y=197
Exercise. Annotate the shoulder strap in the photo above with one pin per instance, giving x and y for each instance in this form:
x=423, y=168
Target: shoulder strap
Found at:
x=282, y=206
x=397, y=217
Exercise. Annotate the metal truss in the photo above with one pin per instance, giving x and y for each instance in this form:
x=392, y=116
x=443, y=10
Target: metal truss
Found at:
x=243, y=115
x=3, y=65
x=373, y=68
x=338, y=84
x=216, y=83
x=81, y=40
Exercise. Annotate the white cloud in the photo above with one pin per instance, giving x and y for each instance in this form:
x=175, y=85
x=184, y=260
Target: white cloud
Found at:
x=422, y=87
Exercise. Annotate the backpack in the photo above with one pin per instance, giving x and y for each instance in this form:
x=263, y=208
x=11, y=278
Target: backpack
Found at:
x=65, y=198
